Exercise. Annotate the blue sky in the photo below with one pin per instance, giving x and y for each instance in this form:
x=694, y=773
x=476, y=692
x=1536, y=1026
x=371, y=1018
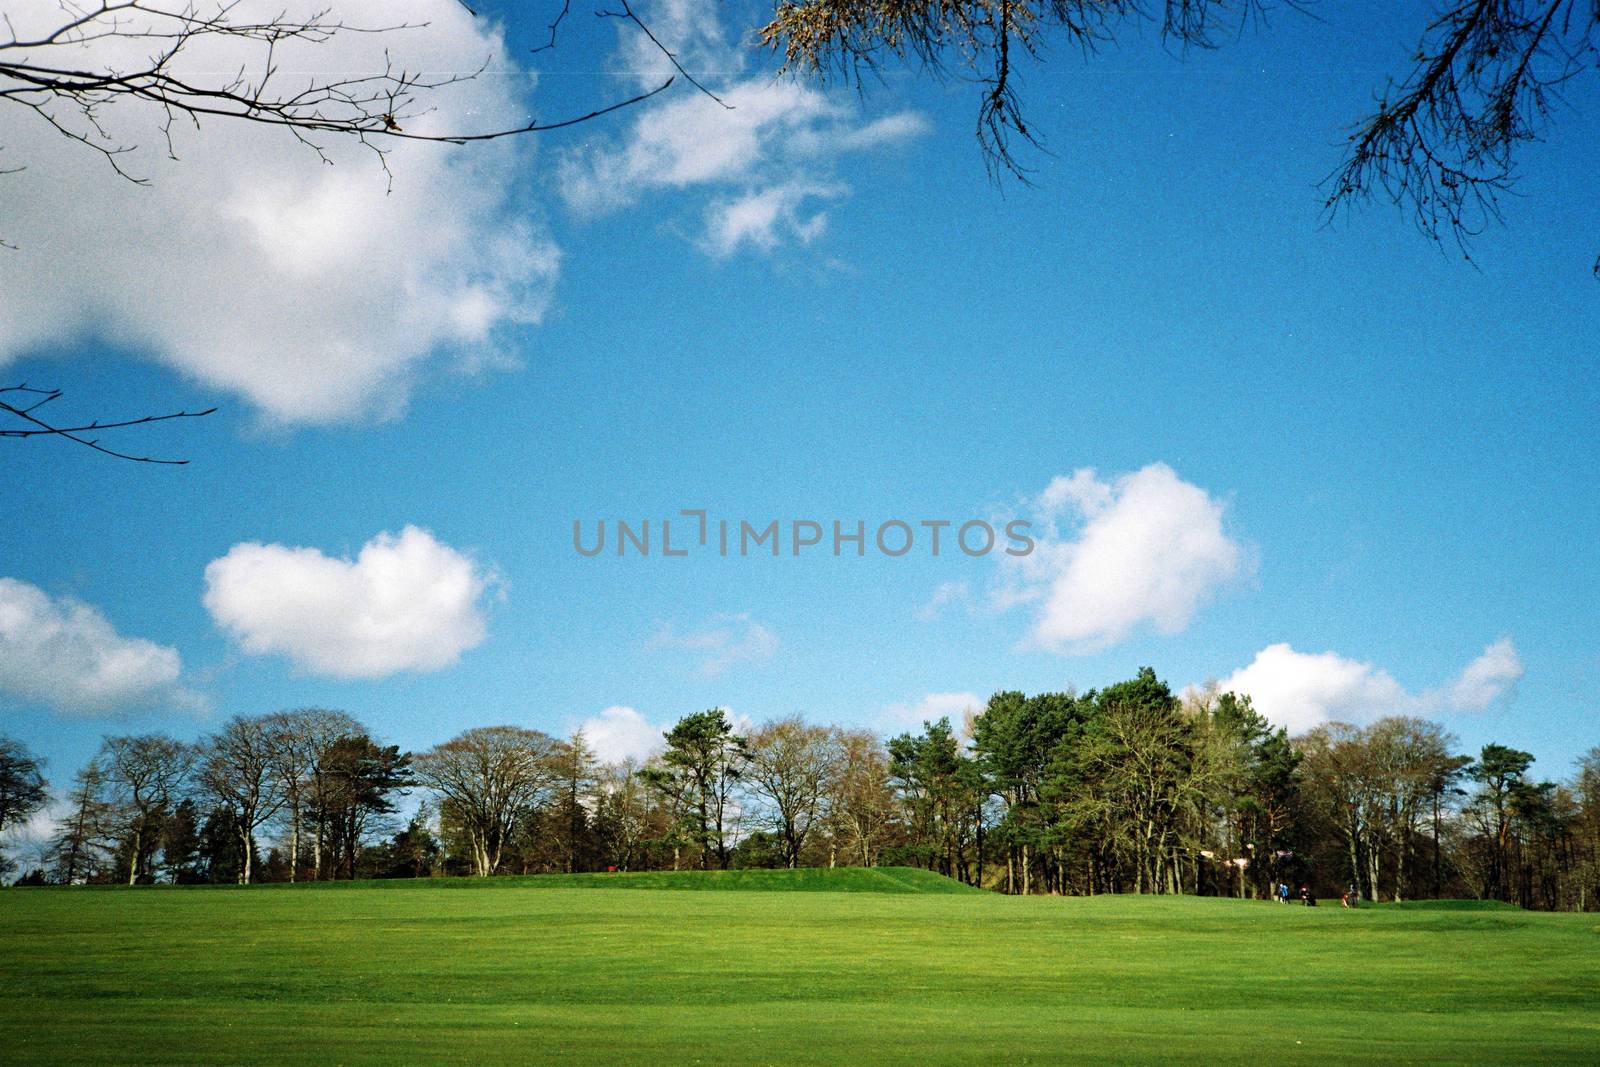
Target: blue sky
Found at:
x=1388, y=454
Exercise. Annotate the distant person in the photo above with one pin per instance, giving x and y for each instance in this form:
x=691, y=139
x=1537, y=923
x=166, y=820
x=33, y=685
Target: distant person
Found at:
x=1306, y=898
x=1351, y=896
x=1283, y=892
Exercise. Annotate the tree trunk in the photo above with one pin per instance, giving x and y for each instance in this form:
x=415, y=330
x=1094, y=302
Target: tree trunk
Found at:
x=138, y=848
x=294, y=841
x=246, y=839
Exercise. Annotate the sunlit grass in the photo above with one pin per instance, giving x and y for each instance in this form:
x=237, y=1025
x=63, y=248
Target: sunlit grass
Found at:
x=504, y=974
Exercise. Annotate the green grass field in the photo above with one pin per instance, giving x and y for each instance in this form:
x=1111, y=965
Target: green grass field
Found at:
x=865, y=967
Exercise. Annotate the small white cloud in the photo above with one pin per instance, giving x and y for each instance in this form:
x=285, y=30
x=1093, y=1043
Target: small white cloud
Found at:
x=886, y=130
x=767, y=157
x=765, y=218
x=725, y=640
x=1486, y=679
x=1147, y=549
x=66, y=655
x=621, y=733
x=933, y=707
x=406, y=603
x=1301, y=690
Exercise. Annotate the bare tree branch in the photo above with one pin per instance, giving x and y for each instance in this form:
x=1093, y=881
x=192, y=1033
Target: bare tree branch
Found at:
x=45, y=73
x=1442, y=142
x=627, y=14
x=33, y=426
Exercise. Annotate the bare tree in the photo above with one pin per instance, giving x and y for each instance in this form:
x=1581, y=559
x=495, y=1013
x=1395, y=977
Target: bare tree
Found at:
x=239, y=770
x=492, y=777
x=790, y=768
x=624, y=814
x=312, y=780
x=300, y=738
x=147, y=773
x=861, y=804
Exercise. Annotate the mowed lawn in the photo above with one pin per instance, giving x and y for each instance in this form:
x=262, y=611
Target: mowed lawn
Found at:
x=554, y=971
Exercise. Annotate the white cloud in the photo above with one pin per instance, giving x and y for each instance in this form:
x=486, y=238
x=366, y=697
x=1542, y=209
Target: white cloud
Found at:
x=1486, y=679
x=764, y=219
x=251, y=266
x=1301, y=690
x=724, y=640
x=1147, y=549
x=65, y=654
x=933, y=707
x=620, y=733
x=767, y=157
x=406, y=603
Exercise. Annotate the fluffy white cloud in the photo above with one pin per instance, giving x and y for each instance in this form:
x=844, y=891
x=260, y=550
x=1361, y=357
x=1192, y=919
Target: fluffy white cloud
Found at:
x=65, y=654
x=247, y=263
x=1300, y=690
x=406, y=603
x=724, y=640
x=1147, y=549
x=933, y=707
x=767, y=157
x=621, y=733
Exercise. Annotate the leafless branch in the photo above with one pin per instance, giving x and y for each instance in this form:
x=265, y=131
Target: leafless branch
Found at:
x=1441, y=144
x=30, y=400
x=627, y=14
x=46, y=74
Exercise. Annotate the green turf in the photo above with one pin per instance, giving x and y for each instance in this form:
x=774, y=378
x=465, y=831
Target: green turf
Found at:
x=406, y=974
x=812, y=880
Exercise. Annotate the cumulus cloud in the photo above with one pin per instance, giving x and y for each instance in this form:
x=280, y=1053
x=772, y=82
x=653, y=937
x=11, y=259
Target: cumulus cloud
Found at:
x=406, y=603
x=249, y=265
x=722, y=642
x=67, y=655
x=768, y=158
x=1301, y=690
x=621, y=733
x=933, y=707
x=1144, y=550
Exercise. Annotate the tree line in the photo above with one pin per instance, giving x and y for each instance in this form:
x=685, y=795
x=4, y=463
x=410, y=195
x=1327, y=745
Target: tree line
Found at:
x=1127, y=789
